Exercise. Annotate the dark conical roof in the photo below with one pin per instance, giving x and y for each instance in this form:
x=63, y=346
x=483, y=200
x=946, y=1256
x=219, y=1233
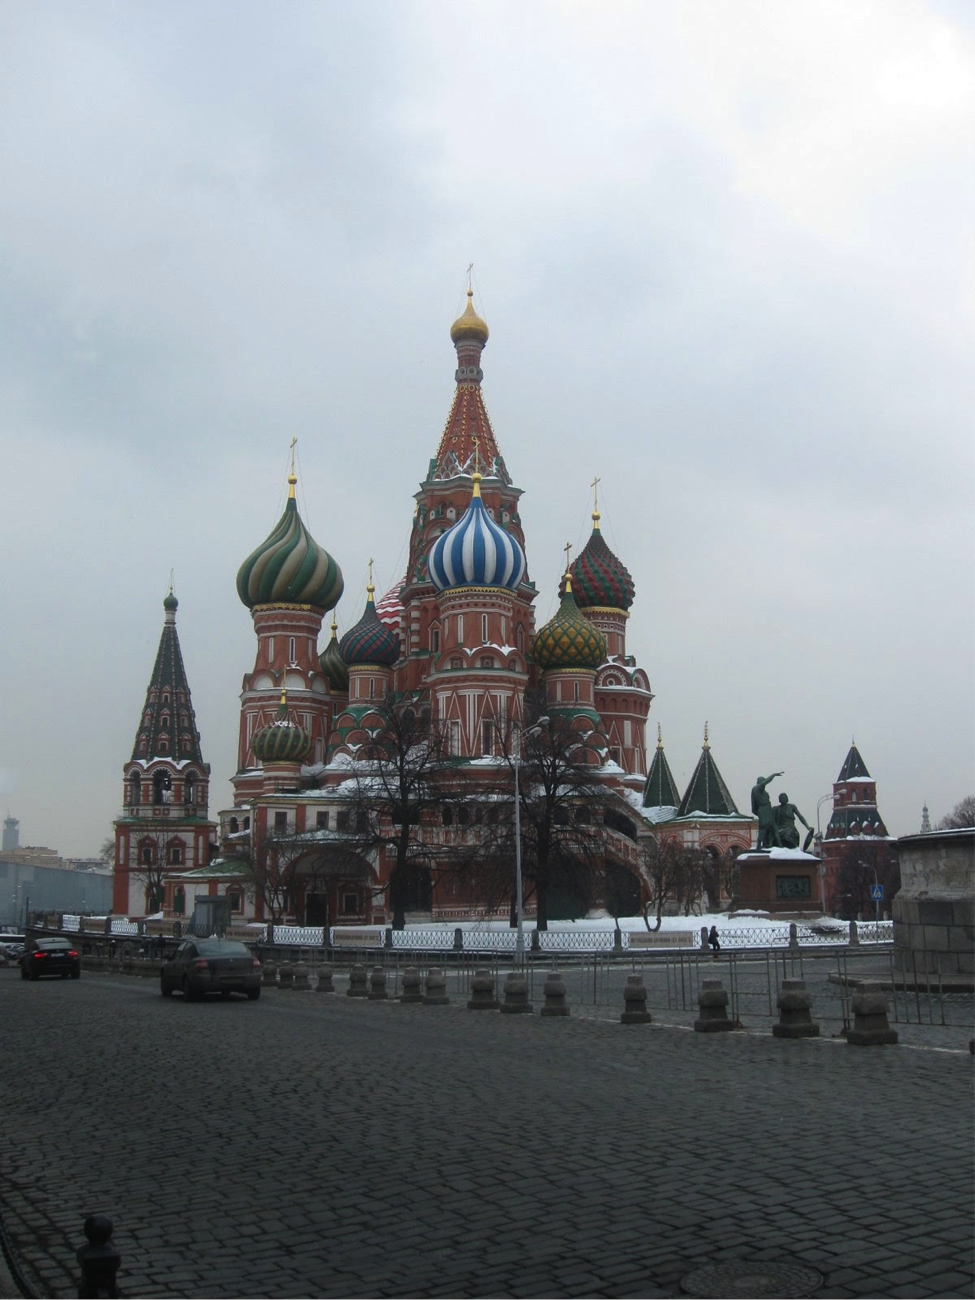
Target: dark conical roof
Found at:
x=660, y=790
x=853, y=765
x=707, y=792
x=167, y=728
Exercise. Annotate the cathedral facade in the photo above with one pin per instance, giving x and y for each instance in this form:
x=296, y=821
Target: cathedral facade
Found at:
x=456, y=638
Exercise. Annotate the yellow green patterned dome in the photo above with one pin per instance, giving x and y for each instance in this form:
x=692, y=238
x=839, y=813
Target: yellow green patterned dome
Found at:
x=569, y=640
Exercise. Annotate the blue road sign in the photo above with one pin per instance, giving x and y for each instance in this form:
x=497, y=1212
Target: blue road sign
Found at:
x=876, y=893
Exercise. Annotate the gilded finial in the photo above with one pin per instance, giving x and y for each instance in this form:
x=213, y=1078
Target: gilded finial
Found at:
x=476, y=477
x=660, y=737
x=470, y=272
x=595, y=502
x=370, y=589
x=292, y=476
x=171, y=572
x=567, y=548
x=284, y=696
x=335, y=626
x=707, y=743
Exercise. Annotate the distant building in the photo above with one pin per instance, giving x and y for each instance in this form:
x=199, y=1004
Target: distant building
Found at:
x=11, y=834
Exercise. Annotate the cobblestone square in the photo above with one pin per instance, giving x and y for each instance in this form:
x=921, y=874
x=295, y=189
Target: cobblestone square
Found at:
x=315, y=1145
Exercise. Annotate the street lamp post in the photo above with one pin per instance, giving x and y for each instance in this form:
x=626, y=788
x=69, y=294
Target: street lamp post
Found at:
x=819, y=845
x=519, y=887
x=519, y=891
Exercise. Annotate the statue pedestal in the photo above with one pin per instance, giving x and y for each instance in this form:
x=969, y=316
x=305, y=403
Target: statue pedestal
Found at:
x=779, y=880
x=934, y=909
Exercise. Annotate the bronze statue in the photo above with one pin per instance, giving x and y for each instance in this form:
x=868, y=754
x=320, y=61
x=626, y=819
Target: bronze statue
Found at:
x=768, y=835
x=784, y=817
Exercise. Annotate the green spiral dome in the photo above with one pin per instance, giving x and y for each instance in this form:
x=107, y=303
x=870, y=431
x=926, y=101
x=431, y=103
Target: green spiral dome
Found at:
x=283, y=741
x=569, y=640
x=289, y=567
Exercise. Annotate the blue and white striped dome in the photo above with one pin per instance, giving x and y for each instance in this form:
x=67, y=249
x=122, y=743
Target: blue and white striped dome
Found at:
x=476, y=552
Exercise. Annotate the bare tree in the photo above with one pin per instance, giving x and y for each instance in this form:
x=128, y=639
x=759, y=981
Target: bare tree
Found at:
x=407, y=786
x=565, y=812
x=672, y=871
x=962, y=815
x=159, y=851
x=861, y=865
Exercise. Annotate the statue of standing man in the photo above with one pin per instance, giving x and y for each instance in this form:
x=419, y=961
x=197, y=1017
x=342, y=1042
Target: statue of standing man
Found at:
x=768, y=835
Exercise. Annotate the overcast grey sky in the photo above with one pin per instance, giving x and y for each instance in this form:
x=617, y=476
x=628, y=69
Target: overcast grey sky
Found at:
x=725, y=252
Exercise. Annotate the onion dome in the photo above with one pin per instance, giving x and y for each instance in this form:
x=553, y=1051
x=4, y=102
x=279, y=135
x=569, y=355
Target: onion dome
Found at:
x=390, y=608
x=599, y=578
x=333, y=665
x=370, y=641
x=476, y=552
x=283, y=741
x=569, y=640
x=289, y=567
x=469, y=326
x=170, y=603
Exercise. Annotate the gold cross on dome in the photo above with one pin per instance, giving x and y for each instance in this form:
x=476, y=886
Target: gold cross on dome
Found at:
x=477, y=454
x=470, y=269
x=292, y=445
x=567, y=548
x=595, y=492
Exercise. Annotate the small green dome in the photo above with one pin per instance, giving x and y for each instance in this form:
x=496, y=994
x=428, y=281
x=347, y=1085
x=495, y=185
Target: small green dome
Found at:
x=283, y=741
x=289, y=567
x=334, y=667
x=171, y=603
x=569, y=640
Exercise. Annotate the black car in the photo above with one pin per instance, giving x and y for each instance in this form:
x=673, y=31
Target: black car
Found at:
x=200, y=966
x=50, y=957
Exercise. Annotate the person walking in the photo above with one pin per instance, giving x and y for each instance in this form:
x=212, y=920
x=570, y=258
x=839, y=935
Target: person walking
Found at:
x=714, y=941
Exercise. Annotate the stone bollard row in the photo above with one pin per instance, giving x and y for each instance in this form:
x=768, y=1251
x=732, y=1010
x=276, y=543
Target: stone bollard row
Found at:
x=357, y=983
x=795, y=1018
x=325, y=981
x=516, y=995
x=286, y=976
x=435, y=989
x=99, y=1260
x=377, y=985
x=555, y=995
x=482, y=992
x=713, y=1003
x=269, y=973
x=301, y=979
x=412, y=991
x=870, y=1024
x=635, y=1002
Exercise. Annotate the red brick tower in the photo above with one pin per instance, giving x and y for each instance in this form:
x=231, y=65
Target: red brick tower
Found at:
x=288, y=583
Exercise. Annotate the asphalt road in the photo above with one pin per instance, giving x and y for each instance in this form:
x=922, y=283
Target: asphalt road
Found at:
x=315, y=1145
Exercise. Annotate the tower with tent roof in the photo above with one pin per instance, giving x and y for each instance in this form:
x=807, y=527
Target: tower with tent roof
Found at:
x=164, y=829
x=855, y=819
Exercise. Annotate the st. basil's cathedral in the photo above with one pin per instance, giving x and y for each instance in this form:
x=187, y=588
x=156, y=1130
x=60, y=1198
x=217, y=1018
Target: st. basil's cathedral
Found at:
x=458, y=635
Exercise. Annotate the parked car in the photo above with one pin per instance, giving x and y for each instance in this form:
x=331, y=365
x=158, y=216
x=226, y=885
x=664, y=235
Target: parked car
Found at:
x=50, y=957
x=200, y=966
x=11, y=948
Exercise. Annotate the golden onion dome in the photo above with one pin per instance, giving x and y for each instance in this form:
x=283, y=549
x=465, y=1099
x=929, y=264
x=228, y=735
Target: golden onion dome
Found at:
x=469, y=326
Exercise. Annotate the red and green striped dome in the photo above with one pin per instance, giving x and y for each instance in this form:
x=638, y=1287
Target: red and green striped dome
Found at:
x=370, y=641
x=569, y=640
x=599, y=578
x=289, y=567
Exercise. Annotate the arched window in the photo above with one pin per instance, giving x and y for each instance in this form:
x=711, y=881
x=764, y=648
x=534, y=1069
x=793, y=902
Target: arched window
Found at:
x=189, y=787
x=161, y=787
x=136, y=790
x=175, y=855
x=234, y=825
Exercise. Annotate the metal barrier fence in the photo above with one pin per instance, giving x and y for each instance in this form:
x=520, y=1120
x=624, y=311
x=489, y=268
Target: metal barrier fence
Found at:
x=595, y=982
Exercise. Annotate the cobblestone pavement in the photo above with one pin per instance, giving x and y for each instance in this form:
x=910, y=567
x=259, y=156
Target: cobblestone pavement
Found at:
x=316, y=1145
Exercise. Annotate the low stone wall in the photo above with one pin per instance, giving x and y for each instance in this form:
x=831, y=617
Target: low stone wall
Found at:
x=934, y=911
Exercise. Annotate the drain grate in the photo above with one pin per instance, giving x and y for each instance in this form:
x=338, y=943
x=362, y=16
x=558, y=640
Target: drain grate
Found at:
x=745, y=1281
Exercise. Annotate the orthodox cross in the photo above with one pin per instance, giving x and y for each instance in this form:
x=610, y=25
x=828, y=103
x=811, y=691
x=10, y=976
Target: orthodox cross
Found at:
x=567, y=548
x=292, y=445
x=595, y=492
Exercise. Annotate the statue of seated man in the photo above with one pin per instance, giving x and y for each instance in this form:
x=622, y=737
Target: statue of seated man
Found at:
x=785, y=815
